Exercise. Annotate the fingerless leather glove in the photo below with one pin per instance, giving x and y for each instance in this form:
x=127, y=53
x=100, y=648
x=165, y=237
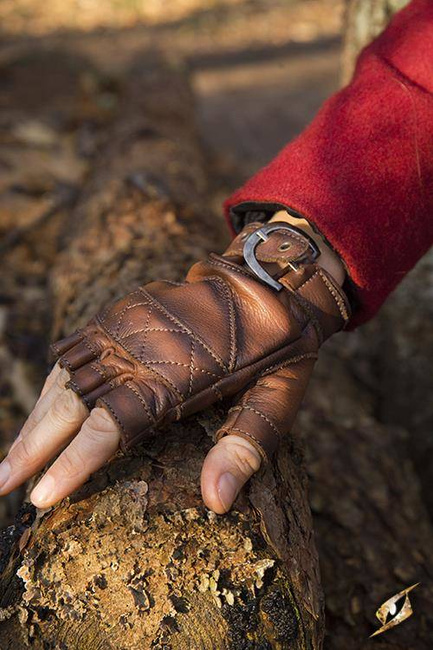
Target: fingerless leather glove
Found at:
x=249, y=322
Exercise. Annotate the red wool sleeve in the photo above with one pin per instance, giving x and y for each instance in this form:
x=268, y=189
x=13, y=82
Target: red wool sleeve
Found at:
x=362, y=172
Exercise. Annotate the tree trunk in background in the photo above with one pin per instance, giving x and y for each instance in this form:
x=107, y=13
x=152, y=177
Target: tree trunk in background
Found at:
x=134, y=560
x=404, y=351
x=364, y=20
x=372, y=503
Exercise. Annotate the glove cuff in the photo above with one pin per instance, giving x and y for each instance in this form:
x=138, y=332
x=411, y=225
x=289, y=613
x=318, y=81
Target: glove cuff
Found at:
x=284, y=257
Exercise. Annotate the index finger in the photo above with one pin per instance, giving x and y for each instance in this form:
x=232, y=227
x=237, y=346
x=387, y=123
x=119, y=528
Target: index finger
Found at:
x=54, y=385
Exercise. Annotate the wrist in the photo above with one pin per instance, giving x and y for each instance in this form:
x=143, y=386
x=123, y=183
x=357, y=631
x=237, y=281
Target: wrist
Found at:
x=328, y=259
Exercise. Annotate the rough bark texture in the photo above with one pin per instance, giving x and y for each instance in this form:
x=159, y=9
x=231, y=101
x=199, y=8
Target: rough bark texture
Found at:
x=372, y=530
x=134, y=560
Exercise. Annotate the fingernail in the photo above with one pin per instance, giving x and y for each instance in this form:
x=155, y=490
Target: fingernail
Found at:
x=43, y=493
x=228, y=488
x=5, y=472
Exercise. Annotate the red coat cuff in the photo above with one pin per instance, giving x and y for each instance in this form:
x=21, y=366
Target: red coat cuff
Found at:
x=362, y=172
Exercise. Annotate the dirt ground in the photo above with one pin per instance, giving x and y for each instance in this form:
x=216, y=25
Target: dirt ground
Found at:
x=260, y=69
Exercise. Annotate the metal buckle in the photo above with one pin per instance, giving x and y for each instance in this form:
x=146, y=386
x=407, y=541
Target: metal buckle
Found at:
x=262, y=235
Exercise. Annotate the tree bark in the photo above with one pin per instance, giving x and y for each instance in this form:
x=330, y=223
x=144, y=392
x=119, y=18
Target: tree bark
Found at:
x=133, y=559
x=364, y=20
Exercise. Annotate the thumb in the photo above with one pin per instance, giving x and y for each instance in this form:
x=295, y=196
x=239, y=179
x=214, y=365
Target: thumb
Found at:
x=227, y=467
x=253, y=430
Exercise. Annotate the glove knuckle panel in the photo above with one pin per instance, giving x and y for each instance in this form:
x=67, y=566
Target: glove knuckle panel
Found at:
x=137, y=408
x=87, y=378
x=170, y=349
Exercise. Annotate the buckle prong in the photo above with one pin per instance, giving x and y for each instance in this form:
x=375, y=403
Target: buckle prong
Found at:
x=262, y=235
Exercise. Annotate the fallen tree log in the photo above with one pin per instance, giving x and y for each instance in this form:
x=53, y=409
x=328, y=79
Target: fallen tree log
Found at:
x=372, y=529
x=133, y=559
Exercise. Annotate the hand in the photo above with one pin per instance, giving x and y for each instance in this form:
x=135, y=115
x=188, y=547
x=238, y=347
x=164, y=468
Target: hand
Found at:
x=167, y=350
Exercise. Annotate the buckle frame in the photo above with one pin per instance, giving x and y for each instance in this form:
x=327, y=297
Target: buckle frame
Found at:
x=262, y=235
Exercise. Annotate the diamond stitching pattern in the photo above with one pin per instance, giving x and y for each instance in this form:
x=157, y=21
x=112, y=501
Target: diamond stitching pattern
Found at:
x=158, y=319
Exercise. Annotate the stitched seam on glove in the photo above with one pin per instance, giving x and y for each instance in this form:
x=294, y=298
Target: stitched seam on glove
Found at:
x=303, y=304
x=122, y=344
x=84, y=341
x=146, y=331
x=166, y=382
x=217, y=391
x=183, y=328
x=100, y=372
x=246, y=407
x=142, y=401
x=338, y=299
x=107, y=406
x=228, y=298
x=121, y=316
x=191, y=369
x=54, y=346
x=184, y=402
x=71, y=384
x=176, y=363
x=289, y=362
x=258, y=445
x=187, y=330
x=232, y=267
x=294, y=293
x=308, y=279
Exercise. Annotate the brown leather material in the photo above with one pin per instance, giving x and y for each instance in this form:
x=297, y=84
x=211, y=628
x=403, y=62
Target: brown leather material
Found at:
x=167, y=350
x=279, y=248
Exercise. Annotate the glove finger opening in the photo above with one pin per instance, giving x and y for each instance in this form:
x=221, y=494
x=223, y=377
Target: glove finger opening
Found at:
x=77, y=356
x=254, y=427
x=62, y=345
x=139, y=408
x=88, y=378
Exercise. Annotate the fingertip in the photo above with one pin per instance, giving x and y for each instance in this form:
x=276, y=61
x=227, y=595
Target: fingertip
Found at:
x=227, y=467
x=5, y=474
x=228, y=487
x=43, y=495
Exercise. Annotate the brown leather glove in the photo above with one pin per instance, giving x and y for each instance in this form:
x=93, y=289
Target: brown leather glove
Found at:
x=253, y=318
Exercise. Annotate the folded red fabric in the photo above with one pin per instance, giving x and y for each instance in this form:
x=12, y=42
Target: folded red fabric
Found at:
x=362, y=172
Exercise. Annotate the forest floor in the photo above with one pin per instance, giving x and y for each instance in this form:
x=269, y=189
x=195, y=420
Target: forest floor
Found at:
x=259, y=69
